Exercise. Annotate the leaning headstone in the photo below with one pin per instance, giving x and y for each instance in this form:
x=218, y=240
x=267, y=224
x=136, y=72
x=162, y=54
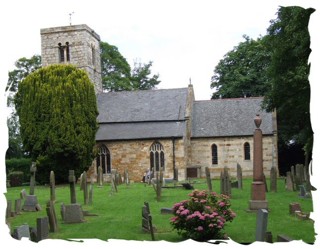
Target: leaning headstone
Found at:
x=273, y=179
x=52, y=218
x=239, y=176
x=21, y=231
x=52, y=186
x=289, y=181
x=208, y=177
x=147, y=225
x=42, y=228
x=262, y=223
x=72, y=181
x=100, y=176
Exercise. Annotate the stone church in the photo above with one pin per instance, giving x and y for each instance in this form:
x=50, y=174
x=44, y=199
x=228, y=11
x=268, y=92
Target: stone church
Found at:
x=140, y=130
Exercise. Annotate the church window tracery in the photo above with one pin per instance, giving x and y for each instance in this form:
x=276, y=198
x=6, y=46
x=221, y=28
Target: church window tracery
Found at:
x=104, y=159
x=156, y=156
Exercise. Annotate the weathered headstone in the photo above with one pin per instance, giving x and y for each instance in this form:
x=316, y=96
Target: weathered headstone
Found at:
x=33, y=170
x=261, y=226
x=42, y=228
x=147, y=225
x=283, y=238
x=258, y=191
x=166, y=211
x=289, y=181
x=72, y=181
x=84, y=187
x=126, y=177
x=273, y=179
x=114, y=187
x=265, y=182
x=21, y=231
x=31, y=203
x=300, y=176
x=52, y=218
x=9, y=209
x=239, y=176
x=208, y=177
x=52, y=186
x=292, y=180
x=90, y=192
x=72, y=213
x=23, y=194
x=100, y=176
x=294, y=207
x=225, y=182
x=17, y=204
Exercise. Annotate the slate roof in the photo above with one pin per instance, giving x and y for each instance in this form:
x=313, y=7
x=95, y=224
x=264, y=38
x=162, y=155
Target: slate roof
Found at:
x=142, y=114
x=228, y=117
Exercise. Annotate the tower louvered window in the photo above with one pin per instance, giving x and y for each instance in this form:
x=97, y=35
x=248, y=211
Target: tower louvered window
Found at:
x=64, y=52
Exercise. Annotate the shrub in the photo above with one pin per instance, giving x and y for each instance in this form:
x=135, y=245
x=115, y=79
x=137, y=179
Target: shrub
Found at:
x=16, y=178
x=203, y=216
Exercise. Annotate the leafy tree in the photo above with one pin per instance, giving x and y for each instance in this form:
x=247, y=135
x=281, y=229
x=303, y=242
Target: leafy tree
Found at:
x=289, y=42
x=242, y=71
x=58, y=116
x=24, y=67
x=117, y=74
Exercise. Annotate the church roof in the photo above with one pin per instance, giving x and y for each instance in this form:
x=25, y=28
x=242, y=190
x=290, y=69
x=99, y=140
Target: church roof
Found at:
x=229, y=117
x=142, y=114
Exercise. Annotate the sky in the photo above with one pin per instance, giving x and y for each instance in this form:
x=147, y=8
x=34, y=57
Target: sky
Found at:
x=184, y=39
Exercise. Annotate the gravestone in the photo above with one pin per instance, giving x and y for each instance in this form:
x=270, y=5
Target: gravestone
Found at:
x=208, y=177
x=72, y=213
x=31, y=201
x=258, y=189
x=294, y=207
x=23, y=194
x=72, y=181
x=113, y=183
x=147, y=225
x=239, y=176
x=265, y=182
x=225, y=182
x=52, y=186
x=33, y=234
x=17, y=204
x=84, y=187
x=9, y=209
x=283, y=238
x=42, y=228
x=289, y=181
x=126, y=177
x=293, y=180
x=21, y=231
x=166, y=211
x=261, y=225
x=303, y=192
x=300, y=176
x=100, y=176
x=52, y=218
x=273, y=179
x=90, y=192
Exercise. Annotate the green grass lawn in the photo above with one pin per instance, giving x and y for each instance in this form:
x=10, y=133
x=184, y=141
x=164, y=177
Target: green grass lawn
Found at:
x=119, y=215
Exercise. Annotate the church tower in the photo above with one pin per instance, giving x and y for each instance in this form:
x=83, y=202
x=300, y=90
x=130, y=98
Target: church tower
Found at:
x=75, y=44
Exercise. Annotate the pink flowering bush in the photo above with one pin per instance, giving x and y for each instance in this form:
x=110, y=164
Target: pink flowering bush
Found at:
x=203, y=216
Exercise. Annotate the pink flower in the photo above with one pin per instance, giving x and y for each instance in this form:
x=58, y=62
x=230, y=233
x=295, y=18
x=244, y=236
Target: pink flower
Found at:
x=200, y=228
x=221, y=204
x=185, y=212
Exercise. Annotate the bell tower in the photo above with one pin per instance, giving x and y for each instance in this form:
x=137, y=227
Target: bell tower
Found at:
x=75, y=44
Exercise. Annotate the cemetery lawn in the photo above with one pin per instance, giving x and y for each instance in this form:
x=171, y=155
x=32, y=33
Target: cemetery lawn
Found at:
x=119, y=214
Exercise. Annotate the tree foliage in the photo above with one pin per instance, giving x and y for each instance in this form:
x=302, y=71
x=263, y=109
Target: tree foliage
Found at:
x=289, y=41
x=57, y=112
x=117, y=74
x=242, y=71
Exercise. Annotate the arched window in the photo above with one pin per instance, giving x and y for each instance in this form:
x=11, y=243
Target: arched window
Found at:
x=64, y=52
x=246, y=148
x=214, y=153
x=156, y=156
x=104, y=159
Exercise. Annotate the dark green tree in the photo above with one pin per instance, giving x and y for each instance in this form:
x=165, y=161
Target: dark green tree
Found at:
x=242, y=71
x=289, y=42
x=117, y=74
x=57, y=112
x=24, y=67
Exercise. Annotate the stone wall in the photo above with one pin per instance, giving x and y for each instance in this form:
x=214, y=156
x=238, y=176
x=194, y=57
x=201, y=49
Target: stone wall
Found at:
x=231, y=152
x=135, y=156
x=84, y=49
